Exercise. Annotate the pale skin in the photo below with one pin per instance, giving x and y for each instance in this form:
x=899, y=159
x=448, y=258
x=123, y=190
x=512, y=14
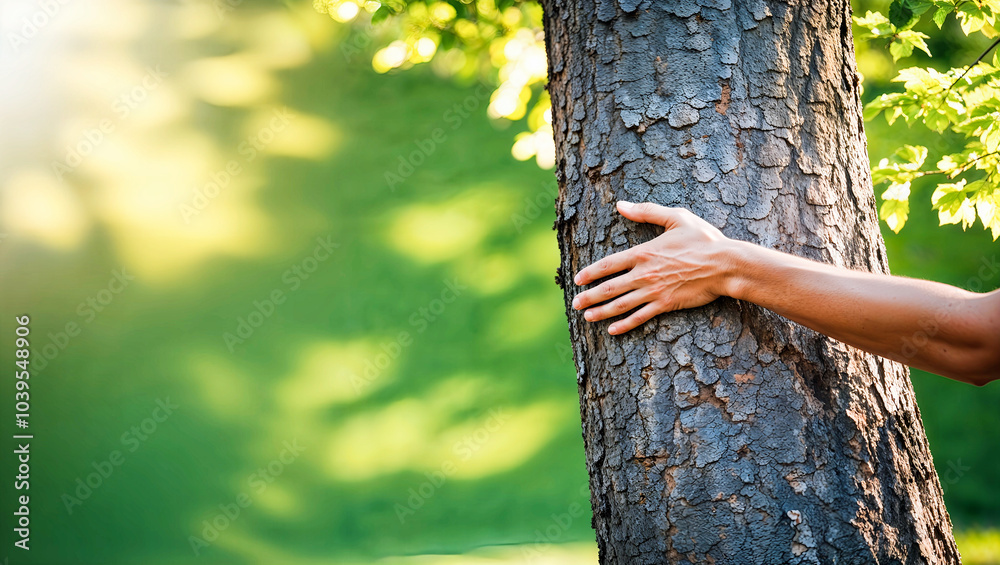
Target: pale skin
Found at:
x=931, y=326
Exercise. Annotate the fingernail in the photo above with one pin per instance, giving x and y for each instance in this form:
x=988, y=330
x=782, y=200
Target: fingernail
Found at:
x=576, y=279
x=612, y=330
x=588, y=315
x=625, y=205
x=576, y=303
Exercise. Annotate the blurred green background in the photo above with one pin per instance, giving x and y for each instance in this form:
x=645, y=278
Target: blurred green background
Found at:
x=352, y=372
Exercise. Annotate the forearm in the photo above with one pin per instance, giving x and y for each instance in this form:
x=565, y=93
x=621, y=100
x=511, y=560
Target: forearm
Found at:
x=928, y=325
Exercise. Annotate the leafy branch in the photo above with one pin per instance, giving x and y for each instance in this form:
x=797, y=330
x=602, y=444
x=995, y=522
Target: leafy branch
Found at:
x=962, y=101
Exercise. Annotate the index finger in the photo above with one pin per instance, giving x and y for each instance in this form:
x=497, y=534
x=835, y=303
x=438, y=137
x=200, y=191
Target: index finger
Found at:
x=607, y=266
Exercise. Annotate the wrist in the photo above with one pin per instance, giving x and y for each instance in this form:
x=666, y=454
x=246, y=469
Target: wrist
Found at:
x=735, y=259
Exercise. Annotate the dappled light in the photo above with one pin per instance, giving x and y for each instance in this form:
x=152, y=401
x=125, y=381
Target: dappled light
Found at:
x=233, y=80
x=492, y=274
x=447, y=230
x=421, y=433
x=229, y=165
x=296, y=134
x=133, y=157
x=221, y=387
x=525, y=320
x=332, y=373
x=189, y=208
x=35, y=206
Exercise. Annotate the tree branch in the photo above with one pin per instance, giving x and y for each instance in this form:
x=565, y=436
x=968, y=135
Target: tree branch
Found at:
x=979, y=60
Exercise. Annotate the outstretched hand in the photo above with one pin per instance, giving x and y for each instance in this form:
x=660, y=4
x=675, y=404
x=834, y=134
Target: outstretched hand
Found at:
x=684, y=267
x=691, y=263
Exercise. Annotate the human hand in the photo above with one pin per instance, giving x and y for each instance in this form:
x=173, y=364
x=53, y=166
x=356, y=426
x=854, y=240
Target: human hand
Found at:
x=686, y=266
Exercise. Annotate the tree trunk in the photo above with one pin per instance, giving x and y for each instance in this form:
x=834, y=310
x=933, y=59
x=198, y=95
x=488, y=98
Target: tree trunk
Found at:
x=727, y=434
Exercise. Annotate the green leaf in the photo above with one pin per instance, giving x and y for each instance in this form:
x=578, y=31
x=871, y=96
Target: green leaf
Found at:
x=917, y=39
x=904, y=42
x=940, y=16
x=905, y=13
x=381, y=14
x=894, y=113
x=921, y=81
x=949, y=163
x=977, y=186
x=899, y=192
x=900, y=49
x=959, y=212
x=909, y=159
x=955, y=110
x=953, y=205
x=988, y=208
x=972, y=18
x=901, y=15
x=871, y=19
x=936, y=121
x=913, y=154
x=876, y=24
x=946, y=194
x=872, y=109
x=991, y=138
x=894, y=213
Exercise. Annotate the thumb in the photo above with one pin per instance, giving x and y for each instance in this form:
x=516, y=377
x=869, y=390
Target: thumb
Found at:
x=648, y=213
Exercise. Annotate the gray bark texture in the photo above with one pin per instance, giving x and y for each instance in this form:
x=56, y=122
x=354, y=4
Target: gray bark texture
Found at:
x=727, y=434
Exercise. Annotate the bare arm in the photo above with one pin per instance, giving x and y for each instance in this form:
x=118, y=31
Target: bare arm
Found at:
x=927, y=325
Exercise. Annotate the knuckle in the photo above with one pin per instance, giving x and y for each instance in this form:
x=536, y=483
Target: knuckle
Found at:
x=645, y=253
x=608, y=289
x=646, y=278
x=621, y=306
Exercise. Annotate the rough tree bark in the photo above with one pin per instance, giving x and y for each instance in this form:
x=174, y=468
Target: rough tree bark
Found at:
x=727, y=434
